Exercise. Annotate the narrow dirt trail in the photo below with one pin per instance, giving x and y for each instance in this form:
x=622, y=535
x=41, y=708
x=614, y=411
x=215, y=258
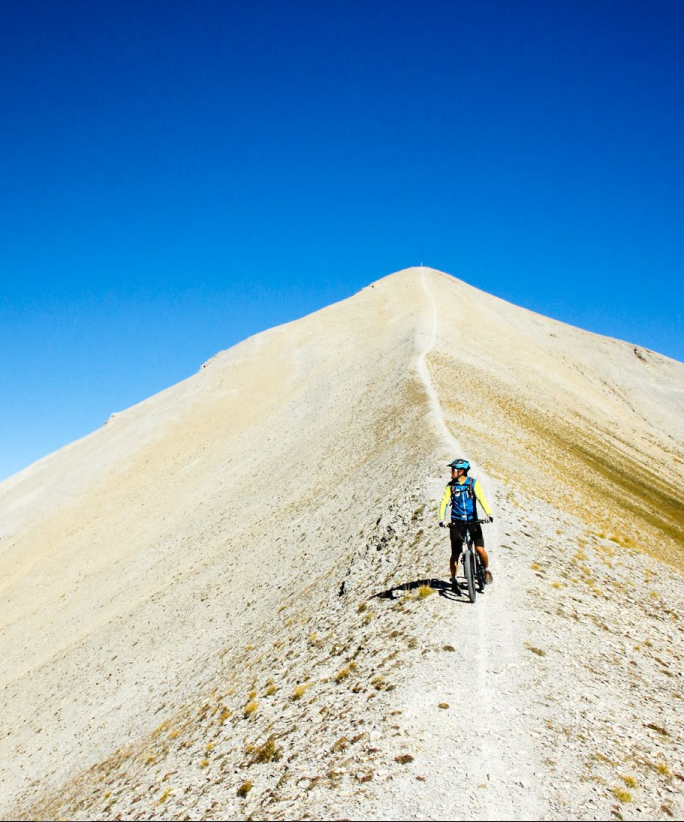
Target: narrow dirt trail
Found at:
x=476, y=755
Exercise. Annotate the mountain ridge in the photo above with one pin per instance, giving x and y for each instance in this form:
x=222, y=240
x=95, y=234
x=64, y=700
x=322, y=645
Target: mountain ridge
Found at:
x=348, y=413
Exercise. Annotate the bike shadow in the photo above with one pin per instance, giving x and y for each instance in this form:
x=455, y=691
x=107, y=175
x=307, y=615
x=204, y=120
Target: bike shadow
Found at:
x=443, y=588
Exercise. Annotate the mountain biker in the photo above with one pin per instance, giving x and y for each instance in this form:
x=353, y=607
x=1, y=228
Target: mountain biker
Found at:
x=463, y=493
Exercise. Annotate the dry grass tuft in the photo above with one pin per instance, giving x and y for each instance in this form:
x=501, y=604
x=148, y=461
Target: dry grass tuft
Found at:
x=341, y=745
x=343, y=673
x=299, y=691
x=622, y=795
x=266, y=752
x=250, y=709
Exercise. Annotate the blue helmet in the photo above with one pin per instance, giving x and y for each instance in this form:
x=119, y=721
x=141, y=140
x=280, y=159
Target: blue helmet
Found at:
x=459, y=463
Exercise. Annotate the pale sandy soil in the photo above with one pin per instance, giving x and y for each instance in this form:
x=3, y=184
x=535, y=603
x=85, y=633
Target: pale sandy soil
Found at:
x=257, y=535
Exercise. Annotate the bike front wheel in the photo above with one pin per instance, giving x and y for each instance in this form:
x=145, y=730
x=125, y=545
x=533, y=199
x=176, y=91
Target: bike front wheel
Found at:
x=469, y=568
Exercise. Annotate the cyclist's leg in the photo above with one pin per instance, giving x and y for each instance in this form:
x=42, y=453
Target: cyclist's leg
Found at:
x=456, y=535
x=480, y=548
x=478, y=540
x=485, y=561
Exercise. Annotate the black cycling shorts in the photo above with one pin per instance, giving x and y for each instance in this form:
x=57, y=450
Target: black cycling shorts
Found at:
x=457, y=532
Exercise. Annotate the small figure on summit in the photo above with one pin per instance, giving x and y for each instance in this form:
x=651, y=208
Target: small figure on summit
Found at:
x=463, y=493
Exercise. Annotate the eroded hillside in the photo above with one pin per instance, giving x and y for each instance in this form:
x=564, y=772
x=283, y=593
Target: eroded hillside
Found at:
x=592, y=424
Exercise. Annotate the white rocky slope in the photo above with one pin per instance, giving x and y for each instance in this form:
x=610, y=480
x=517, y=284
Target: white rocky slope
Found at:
x=213, y=606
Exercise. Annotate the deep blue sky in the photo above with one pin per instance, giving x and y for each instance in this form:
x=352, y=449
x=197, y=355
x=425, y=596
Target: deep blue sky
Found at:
x=178, y=176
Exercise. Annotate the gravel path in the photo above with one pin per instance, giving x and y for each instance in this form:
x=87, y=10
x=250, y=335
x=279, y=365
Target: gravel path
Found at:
x=476, y=754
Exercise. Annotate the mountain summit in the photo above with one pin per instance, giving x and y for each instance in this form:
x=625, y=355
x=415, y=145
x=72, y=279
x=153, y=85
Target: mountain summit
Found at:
x=217, y=605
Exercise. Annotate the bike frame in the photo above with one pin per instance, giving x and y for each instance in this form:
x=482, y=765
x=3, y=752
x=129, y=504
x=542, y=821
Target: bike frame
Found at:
x=473, y=567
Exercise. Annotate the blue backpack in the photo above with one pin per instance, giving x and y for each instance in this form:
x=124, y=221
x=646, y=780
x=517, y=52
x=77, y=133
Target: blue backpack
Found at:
x=463, y=504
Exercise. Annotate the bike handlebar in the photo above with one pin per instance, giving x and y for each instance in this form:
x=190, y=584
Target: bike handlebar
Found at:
x=468, y=522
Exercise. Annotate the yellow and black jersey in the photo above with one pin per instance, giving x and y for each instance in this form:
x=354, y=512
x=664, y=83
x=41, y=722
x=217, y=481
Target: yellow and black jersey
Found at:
x=461, y=495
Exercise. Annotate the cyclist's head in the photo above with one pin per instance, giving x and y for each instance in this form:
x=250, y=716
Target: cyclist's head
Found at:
x=459, y=465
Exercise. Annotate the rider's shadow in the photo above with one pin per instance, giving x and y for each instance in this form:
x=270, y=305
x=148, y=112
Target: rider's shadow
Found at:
x=444, y=589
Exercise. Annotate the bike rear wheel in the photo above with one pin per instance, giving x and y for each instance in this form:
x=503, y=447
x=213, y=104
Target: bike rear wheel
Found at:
x=469, y=568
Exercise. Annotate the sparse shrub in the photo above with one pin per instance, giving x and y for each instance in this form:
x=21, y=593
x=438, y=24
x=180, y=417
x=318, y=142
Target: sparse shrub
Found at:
x=449, y=648
x=629, y=781
x=270, y=689
x=299, y=691
x=244, y=789
x=622, y=795
x=341, y=745
x=425, y=591
x=417, y=513
x=250, y=709
x=362, y=607
x=251, y=694
x=403, y=759
x=225, y=714
x=343, y=673
x=204, y=763
x=266, y=752
x=443, y=705
x=174, y=734
x=537, y=651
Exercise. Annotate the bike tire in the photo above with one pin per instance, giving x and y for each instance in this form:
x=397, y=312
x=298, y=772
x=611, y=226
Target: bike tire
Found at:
x=469, y=568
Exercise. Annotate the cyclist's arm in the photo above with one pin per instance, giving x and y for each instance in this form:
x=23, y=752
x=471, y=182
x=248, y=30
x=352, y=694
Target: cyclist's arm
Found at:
x=480, y=498
x=445, y=501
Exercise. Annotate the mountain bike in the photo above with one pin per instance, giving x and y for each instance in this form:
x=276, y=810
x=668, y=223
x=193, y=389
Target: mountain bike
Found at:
x=473, y=567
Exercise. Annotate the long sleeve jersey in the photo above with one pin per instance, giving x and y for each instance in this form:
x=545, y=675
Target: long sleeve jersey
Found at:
x=479, y=496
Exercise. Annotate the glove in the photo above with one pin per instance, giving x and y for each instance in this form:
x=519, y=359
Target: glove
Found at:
x=490, y=519
x=442, y=524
